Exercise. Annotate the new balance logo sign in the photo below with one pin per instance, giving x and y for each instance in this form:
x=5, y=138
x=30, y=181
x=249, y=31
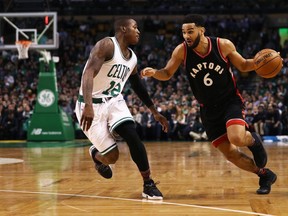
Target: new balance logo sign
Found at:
x=36, y=131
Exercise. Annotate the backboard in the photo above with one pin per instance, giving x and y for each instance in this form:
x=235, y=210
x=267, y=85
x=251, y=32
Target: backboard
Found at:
x=38, y=27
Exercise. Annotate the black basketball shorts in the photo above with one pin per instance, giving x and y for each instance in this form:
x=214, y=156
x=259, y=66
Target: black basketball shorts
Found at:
x=218, y=117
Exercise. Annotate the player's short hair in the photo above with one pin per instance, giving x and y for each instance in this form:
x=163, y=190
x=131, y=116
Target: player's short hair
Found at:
x=194, y=18
x=122, y=21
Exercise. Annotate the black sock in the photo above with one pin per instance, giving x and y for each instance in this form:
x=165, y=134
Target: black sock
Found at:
x=146, y=175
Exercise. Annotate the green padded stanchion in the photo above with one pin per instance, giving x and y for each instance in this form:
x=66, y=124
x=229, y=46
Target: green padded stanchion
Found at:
x=49, y=122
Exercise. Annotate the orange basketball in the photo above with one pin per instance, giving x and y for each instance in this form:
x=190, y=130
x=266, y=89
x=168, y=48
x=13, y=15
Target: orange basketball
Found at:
x=268, y=63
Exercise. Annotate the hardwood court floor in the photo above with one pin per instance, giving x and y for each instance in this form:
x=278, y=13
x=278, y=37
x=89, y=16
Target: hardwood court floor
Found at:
x=58, y=179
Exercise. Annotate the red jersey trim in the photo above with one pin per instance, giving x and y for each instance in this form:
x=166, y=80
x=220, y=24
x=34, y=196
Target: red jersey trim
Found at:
x=209, y=49
x=224, y=137
x=229, y=68
x=220, y=52
x=235, y=122
x=235, y=85
x=220, y=140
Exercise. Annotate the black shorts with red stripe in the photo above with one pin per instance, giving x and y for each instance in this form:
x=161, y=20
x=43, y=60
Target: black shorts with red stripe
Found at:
x=216, y=118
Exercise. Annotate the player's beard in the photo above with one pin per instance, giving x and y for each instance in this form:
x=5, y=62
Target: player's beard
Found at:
x=196, y=42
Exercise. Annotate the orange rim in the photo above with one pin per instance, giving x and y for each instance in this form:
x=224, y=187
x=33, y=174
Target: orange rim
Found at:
x=24, y=43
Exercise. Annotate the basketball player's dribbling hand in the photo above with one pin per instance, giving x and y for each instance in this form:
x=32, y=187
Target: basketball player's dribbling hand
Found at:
x=147, y=72
x=163, y=121
x=87, y=117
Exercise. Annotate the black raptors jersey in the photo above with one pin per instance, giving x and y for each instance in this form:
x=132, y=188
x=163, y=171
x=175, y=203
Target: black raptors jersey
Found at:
x=210, y=75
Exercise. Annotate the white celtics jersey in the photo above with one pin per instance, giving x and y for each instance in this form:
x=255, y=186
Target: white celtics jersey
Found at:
x=110, y=80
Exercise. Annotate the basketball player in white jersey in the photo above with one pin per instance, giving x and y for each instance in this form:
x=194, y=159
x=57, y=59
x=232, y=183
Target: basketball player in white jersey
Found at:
x=101, y=109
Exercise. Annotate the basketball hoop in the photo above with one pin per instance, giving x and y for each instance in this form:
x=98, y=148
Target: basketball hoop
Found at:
x=23, y=47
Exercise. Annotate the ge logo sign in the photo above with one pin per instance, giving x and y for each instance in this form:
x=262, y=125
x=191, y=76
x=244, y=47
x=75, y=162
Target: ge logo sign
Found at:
x=46, y=98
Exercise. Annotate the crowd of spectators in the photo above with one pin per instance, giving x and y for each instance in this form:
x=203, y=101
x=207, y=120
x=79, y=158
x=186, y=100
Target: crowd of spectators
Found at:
x=266, y=100
x=142, y=7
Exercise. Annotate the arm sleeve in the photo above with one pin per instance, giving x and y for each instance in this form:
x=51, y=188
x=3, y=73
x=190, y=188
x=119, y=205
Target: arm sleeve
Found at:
x=139, y=88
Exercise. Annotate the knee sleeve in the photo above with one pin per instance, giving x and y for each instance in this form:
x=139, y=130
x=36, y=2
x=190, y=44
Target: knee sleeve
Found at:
x=127, y=131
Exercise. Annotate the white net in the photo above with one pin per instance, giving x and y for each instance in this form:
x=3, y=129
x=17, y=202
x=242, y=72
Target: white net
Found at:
x=23, y=47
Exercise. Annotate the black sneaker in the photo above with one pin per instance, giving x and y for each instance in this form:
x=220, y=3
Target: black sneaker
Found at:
x=150, y=191
x=265, y=181
x=104, y=170
x=258, y=151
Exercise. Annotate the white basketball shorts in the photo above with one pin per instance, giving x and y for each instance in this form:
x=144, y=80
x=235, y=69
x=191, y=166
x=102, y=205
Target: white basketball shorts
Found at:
x=107, y=116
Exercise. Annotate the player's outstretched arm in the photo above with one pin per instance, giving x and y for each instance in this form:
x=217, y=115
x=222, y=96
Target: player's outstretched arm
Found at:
x=160, y=118
x=229, y=50
x=171, y=67
x=142, y=93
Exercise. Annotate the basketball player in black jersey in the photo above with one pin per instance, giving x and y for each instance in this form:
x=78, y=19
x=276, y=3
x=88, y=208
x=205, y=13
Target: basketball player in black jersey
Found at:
x=207, y=61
